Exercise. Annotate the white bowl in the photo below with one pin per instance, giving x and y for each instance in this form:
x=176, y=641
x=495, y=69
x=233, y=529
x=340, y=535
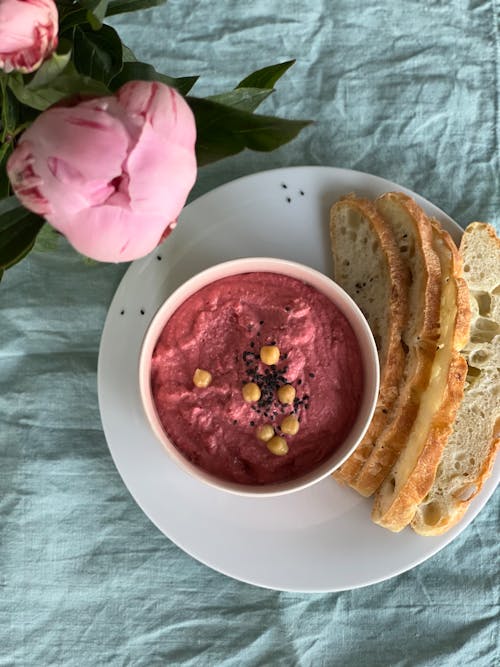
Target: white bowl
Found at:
x=321, y=283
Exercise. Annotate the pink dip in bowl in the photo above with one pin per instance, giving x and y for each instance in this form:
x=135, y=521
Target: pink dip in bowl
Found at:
x=221, y=329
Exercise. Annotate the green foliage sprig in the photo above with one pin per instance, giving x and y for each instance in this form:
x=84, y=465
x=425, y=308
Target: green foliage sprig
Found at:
x=91, y=60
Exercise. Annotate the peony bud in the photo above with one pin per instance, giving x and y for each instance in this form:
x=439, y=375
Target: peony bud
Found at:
x=112, y=173
x=28, y=33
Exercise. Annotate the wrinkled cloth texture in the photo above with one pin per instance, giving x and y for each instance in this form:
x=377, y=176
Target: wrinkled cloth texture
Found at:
x=406, y=90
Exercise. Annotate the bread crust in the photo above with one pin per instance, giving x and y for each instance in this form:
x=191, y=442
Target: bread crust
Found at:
x=393, y=358
x=462, y=322
x=456, y=507
x=395, y=513
x=420, y=358
x=446, y=522
x=402, y=508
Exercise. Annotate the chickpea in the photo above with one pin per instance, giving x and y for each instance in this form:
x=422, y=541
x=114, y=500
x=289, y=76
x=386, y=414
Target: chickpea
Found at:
x=278, y=446
x=202, y=378
x=290, y=425
x=286, y=394
x=265, y=432
x=251, y=392
x=269, y=354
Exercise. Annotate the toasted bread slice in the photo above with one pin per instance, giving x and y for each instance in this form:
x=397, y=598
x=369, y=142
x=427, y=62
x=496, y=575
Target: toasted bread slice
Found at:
x=414, y=235
x=368, y=265
x=469, y=455
x=412, y=476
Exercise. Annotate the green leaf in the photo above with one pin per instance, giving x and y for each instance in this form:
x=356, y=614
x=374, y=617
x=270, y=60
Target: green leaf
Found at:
x=247, y=99
x=224, y=131
x=254, y=89
x=78, y=14
x=123, y=6
x=7, y=206
x=52, y=67
x=67, y=84
x=9, y=126
x=96, y=11
x=47, y=240
x=137, y=71
x=265, y=77
x=18, y=230
x=72, y=19
x=9, y=114
x=127, y=54
x=5, y=152
x=93, y=22
x=98, y=53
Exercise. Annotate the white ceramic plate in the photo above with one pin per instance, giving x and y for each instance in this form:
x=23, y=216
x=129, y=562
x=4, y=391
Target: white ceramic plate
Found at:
x=320, y=538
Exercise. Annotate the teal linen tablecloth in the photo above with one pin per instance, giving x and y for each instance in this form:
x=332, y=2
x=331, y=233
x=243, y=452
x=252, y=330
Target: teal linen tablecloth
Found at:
x=408, y=90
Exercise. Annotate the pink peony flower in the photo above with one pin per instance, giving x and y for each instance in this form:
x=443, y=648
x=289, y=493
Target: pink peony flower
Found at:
x=28, y=33
x=113, y=173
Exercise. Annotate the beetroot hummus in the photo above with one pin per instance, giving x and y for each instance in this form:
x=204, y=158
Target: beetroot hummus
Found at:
x=221, y=329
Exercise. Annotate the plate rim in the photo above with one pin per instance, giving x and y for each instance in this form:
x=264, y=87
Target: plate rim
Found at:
x=444, y=540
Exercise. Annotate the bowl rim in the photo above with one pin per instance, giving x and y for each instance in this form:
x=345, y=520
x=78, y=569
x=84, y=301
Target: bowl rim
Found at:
x=318, y=281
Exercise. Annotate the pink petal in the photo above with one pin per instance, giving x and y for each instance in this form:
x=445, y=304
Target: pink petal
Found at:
x=161, y=174
x=28, y=33
x=77, y=152
x=112, y=234
x=162, y=107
